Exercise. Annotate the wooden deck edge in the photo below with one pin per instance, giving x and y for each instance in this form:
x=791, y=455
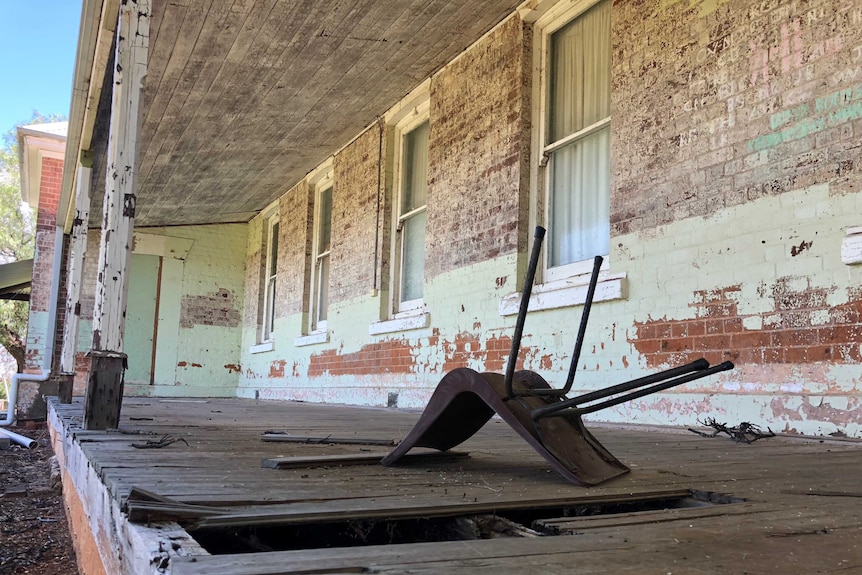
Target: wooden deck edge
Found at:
x=105, y=541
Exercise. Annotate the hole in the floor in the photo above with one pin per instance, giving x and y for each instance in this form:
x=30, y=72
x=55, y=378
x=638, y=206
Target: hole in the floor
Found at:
x=519, y=522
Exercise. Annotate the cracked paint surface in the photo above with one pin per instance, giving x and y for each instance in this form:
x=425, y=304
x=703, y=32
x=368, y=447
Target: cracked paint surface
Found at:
x=790, y=351
x=801, y=328
x=426, y=355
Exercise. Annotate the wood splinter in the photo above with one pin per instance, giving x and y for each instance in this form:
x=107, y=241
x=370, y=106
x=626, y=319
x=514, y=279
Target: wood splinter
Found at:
x=163, y=441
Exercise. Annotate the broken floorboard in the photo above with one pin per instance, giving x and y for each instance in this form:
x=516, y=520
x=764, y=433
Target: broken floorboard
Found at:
x=300, y=462
x=781, y=525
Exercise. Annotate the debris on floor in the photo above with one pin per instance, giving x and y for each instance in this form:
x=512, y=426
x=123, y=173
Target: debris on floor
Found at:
x=743, y=433
x=34, y=534
x=163, y=441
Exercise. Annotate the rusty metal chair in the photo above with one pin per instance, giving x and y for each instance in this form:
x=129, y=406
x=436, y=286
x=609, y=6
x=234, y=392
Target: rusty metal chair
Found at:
x=551, y=423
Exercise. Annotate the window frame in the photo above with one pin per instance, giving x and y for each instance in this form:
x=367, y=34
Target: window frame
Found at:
x=320, y=185
x=419, y=114
x=270, y=276
x=550, y=18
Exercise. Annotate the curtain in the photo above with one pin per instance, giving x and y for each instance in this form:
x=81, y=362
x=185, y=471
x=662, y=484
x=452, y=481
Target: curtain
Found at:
x=415, y=169
x=413, y=262
x=579, y=96
x=324, y=239
x=415, y=194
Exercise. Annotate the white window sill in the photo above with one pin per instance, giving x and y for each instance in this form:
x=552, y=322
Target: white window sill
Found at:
x=851, y=247
x=262, y=347
x=567, y=293
x=312, y=339
x=402, y=322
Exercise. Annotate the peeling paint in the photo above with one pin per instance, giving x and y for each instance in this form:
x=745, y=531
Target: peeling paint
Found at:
x=276, y=369
x=221, y=309
x=428, y=355
x=802, y=327
x=796, y=250
x=795, y=408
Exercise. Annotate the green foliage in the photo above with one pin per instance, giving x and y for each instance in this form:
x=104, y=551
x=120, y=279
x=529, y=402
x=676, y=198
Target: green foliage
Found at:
x=13, y=329
x=17, y=241
x=16, y=223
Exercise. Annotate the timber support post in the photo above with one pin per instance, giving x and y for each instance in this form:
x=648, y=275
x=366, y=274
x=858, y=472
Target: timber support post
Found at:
x=77, y=253
x=108, y=362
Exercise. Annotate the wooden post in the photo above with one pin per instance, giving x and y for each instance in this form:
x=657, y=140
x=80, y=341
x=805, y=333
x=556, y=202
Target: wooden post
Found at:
x=77, y=252
x=107, y=360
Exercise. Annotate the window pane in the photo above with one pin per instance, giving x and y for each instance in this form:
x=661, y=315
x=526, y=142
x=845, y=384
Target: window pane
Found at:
x=413, y=257
x=325, y=229
x=579, y=69
x=273, y=249
x=580, y=200
x=269, y=310
x=415, y=186
x=322, y=287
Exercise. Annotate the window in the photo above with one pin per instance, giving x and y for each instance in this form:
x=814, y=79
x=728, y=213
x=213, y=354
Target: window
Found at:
x=575, y=142
x=271, y=271
x=411, y=216
x=320, y=262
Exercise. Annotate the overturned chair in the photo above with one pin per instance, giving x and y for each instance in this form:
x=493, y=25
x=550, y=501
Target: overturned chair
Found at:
x=549, y=421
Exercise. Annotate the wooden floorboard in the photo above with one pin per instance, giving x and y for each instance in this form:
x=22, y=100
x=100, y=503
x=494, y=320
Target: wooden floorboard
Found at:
x=802, y=514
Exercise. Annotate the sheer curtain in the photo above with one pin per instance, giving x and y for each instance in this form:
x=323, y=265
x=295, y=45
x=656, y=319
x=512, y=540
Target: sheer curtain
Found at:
x=413, y=216
x=579, y=97
x=324, y=239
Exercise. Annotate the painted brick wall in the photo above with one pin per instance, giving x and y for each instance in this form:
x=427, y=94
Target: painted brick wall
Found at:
x=721, y=103
x=478, y=154
x=254, y=268
x=294, y=251
x=61, y=308
x=479, y=144
x=802, y=327
x=747, y=100
x=201, y=307
x=734, y=176
x=43, y=260
x=358, y=174
x=31, y=404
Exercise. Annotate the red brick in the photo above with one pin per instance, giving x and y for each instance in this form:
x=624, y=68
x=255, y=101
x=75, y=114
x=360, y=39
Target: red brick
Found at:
x=751, y=339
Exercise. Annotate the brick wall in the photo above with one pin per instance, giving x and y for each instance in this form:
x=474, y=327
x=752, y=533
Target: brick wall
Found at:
x=254, y=269
x=46, y=225
x=721, y=103
x=358, y=171
x=296, y=210
x=201, y=306
x=61, y=304
x=43, y=260
x=479, y=143
x=744, y=102
x=800, y=328
x=31, y=404
x=734, y=176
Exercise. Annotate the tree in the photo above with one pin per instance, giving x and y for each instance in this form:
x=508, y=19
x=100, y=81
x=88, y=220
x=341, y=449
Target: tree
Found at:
x=17, y=242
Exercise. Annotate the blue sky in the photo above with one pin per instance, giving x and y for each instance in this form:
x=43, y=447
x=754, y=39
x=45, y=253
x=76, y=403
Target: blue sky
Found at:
x=38, y=39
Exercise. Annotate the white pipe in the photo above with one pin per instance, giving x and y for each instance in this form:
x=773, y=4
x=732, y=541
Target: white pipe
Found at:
x=13, y=393
x=19, y=439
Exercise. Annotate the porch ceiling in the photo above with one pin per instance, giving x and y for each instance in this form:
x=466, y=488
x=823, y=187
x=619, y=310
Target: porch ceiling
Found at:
x=243, y=98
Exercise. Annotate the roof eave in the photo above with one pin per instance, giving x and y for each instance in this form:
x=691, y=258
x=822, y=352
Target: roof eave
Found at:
x=33, y=145
x=96, y=32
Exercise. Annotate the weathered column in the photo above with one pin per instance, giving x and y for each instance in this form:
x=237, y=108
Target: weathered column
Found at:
x=77, y=252
x=107, y=360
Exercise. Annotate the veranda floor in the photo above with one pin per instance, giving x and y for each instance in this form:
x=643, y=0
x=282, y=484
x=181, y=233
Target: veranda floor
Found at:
x=798, y=501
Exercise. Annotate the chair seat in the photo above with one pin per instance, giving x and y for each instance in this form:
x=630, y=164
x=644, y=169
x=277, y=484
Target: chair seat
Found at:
x=466, y=399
